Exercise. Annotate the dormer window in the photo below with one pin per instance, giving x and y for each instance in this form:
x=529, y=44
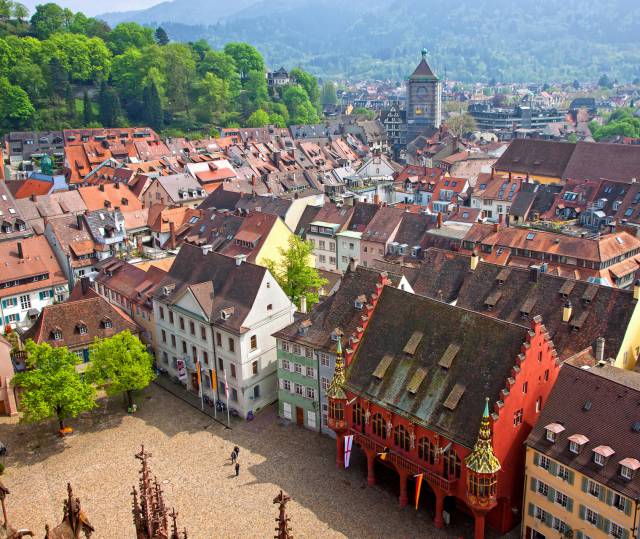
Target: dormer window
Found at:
x=552, y=430
x=577, y=442
x=601, y=454
x=56, y=334
x=106, y=323
x=82, y=328
x=360, y=302
x=225, y=314
x=628, y=468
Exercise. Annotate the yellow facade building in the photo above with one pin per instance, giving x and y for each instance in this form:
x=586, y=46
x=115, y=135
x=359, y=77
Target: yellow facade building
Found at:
x=583, y=456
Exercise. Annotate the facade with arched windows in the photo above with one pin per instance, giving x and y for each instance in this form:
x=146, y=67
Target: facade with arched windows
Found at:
x=413, y=392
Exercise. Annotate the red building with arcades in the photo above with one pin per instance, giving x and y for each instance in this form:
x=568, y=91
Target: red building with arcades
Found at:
x=412, y=394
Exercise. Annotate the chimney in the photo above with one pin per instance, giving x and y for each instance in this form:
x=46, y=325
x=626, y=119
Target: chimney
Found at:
x=636, y=290
x=20, y=251
x=353, y=265
x=376, y=199
x=172, y=235
x=473, y=262
x=500, y=218
x=534, y=273
x=101, y=187
x=303, y=304
x=84, y=284
x=600, y=349
x=240, y=259
x=496, y=227
x=79, y=221
x=566, y=311
x=439, y=220
x=117, y=185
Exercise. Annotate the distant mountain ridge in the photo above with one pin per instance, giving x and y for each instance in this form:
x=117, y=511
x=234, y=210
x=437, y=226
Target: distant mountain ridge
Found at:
x=472, y=40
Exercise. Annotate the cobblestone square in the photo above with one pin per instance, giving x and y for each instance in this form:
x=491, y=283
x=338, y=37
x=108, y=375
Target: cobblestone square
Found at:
x=191, y=459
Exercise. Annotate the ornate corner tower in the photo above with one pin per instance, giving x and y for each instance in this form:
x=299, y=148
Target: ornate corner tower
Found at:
x=424, y=100
x=482, y=475
x=338, y=404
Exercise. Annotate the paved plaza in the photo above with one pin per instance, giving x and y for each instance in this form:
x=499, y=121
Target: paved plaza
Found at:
x=191, y=459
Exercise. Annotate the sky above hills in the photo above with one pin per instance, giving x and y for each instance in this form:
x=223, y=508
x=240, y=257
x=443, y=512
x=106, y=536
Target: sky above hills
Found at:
x=94, y=7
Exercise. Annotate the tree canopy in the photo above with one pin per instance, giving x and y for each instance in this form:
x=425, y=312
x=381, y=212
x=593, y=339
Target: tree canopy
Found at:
x=122, y=364
x=294, y=273
x=51, y=385
x=622, y=122
x=60, y=62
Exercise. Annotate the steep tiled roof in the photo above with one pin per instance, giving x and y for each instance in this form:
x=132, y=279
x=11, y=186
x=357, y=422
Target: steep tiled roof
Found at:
x=74, y=237
x=363, y=212
x=600, y=403
x=486, y=353
x=254, y=230
x=447, y=276
x=337, y=311
x=591, y=160
x=383, y=224
x=541, y=157
x=67, y=318
x=38, y=259
x=129, y=281
x=116, y=195
x=423, y=71
x=233, y=285
x=12, y=223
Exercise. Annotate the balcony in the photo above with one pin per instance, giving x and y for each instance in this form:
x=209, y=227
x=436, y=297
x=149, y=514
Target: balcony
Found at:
x=448, y=486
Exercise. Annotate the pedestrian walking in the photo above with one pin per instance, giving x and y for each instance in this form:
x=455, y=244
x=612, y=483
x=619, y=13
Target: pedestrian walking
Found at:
x=233, y=456
x=237, y=468
x=237, y=450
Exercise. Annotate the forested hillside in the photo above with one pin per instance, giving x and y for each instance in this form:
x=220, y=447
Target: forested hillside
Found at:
x=60, y=69
x=474, y=40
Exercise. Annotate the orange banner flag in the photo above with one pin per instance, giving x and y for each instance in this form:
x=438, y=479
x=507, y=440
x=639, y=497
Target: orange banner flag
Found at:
x=418, y=487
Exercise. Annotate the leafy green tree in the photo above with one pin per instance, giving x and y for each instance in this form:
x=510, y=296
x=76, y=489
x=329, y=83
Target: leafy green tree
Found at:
x=19, y=11
x=255, y=94
x=605, y=82
x=83, y=58
x=366, y=113
x=30, y=78
x=295, y=273
x=308, y=82
x=16, y=109
x=70, y=102
x=277, y=120
x=90, y=27
x=213, y=99
x=301, y=111
x=50, y=19
x=51, y=386
x=259, y=118
x=180, y=71
x=129, y=34
x=460, y=125
x=153, y=114
x=122, y=364
x=328, y=94
x=200, y=47
x=87, y=112
x=109, y=105
x=246, y=57
x=161, y=36
x=222, y=66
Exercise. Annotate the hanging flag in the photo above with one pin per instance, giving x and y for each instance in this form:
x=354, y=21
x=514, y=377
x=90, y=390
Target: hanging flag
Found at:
x=199, y=376
x=348, y=442
x=213, y=379
x=226, y=386
x=384, y=455
x=418, y=487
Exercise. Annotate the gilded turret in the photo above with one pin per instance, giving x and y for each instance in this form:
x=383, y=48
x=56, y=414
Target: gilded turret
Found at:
x=483, y=460
x=482, y=475
x=336, y=390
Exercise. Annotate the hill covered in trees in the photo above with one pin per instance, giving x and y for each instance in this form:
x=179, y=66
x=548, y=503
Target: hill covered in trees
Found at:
x=60, y=69
x=474, y=40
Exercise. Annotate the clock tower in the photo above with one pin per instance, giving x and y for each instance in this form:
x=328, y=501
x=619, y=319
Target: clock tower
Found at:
x=423, y=100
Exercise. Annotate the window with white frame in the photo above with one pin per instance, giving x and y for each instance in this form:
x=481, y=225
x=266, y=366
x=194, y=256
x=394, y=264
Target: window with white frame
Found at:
x=296, y=349
x=591, y=516
x=286, y=385
x=299, y=390
x=563, y=472
x=540, y=514
x=25, y=301
x=311, y=419
x=544, y=462
x=284, y=345
x=574, y=447
x=562, y=499
x=310, y=393
x=543, y=488
x=311, y=372
x=617, y=531
x=324, y=382
x=286, y=365
x=308, y=353
x=619, y=502
x=598, y=459
x=297, y=368
x=324, y=359
x=626, y=472
x=594, y=489
x=559, y=525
